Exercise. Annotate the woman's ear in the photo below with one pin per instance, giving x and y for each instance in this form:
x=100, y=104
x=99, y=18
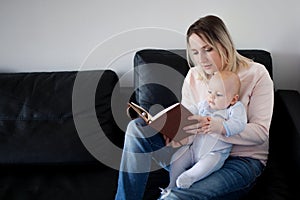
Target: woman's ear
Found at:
x=234, y=99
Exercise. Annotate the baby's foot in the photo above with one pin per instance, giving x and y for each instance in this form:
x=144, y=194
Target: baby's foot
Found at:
x=184, y=181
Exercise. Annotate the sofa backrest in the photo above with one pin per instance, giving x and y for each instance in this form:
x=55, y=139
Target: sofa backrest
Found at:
x=159, y=74
x=36, y=117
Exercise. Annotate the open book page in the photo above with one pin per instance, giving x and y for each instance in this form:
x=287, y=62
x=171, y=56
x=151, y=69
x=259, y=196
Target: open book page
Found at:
x=140, y=111
x=163, y=111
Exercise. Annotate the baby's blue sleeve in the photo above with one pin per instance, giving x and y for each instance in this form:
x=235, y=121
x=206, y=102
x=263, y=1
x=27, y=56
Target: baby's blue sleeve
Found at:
x=198, y=109
x=237, y=120
x=203, y=108
x=193, y=109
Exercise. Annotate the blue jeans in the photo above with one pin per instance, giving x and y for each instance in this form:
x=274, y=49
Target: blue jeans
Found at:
x=142, y=145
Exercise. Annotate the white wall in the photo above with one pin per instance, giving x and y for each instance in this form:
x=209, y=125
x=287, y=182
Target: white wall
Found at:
x=51, y=35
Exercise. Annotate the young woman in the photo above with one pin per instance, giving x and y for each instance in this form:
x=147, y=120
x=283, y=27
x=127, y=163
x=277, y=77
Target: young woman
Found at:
x=210, y=49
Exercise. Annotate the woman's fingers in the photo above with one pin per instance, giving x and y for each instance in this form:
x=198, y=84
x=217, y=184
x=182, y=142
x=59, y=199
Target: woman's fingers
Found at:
x=197, y=127
x=206, y=129
x=201, y=130
x=192, y=127
x=167, y=140
x=197, y=117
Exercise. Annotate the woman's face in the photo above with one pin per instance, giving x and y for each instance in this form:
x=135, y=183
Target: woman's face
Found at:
x=204, y=55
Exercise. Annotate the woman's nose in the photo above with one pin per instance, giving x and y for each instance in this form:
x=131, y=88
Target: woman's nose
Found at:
x=202, y=57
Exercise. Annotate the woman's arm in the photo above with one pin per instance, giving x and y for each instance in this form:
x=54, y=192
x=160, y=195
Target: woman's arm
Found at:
x=260, y=110
x=187, y=97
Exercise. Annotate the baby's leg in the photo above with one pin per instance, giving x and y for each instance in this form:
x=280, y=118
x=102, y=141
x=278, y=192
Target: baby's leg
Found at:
x=204, y=167
x=181, y=160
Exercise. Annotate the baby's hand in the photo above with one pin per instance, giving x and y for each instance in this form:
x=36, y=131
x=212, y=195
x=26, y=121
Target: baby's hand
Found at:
x=215, y=125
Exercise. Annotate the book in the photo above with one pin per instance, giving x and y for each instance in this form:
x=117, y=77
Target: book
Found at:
x=169, y=122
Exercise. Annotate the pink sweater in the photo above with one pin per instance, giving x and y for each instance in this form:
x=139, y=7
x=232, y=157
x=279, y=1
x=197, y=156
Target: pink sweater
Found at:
x=257, y=94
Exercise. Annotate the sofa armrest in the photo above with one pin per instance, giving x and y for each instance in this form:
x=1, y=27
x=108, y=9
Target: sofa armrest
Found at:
x=290, y=100
x=287, y=151
x=280, y=178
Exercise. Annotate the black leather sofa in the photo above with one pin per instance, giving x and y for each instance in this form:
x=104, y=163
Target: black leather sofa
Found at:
x=44, y=153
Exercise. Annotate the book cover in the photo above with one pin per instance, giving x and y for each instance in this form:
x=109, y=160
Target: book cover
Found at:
x=169, y=121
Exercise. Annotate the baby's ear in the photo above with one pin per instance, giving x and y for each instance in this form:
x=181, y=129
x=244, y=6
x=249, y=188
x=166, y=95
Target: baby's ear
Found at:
x=234, y=99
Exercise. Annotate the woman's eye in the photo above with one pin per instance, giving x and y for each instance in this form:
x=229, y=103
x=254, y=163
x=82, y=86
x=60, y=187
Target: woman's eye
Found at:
x=195, y=52
x=219, y=95
x=209, y=91
x=208, y=49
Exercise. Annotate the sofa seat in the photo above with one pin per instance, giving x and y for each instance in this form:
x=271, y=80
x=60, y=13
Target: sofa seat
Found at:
x=78, y=182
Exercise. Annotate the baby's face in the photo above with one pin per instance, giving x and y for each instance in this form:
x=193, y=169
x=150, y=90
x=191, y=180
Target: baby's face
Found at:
x=219, y=94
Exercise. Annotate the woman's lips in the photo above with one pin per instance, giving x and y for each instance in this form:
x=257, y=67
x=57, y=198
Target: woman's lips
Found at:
x=207, y=66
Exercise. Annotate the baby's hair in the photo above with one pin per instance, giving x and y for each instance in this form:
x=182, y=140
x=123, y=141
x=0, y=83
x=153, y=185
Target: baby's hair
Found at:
x=230, y=79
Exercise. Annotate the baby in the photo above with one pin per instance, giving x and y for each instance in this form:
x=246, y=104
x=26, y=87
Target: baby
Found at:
x=208, y=152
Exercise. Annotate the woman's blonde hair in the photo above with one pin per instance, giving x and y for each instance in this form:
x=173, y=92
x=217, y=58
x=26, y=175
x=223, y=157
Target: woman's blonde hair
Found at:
x=213, y=31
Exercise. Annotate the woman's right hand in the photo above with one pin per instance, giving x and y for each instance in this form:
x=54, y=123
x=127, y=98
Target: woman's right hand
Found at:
x=200, y=125
x=197, y=128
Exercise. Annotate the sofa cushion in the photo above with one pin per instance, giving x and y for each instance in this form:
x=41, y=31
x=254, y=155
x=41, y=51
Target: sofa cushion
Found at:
x=158, y=77
x=36, y=117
